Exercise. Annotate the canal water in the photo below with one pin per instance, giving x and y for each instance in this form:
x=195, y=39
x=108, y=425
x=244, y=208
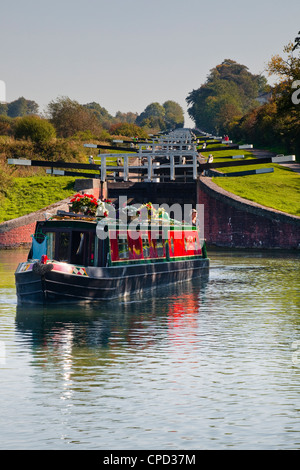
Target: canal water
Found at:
x=210, y=364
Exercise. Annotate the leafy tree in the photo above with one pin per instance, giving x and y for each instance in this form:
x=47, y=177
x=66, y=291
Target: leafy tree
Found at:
x=129, y=130
x=22, y=107
x=126, y=117
x=152, y=117
x=229, y=92
x=288, y=71
x=277, y=122
x=34, y=128
x=159, y=117
x=174, y=116
x=3, y=109
x=102, y=115
x=286, y=93
x=70, y=117
x=215, y=105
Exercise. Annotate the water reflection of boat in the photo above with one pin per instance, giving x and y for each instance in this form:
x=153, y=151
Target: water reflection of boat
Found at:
x=74, y=258
x=91, y=325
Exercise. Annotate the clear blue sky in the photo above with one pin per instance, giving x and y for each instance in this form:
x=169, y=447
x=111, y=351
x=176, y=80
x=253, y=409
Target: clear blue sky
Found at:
x=126, y=54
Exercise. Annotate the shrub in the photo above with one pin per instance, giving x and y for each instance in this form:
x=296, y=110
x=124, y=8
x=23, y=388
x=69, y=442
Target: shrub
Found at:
x=6, y=125
x=128, y=130
x=34, y=128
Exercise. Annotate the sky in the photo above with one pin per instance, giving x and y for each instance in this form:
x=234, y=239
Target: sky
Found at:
x=126, y=54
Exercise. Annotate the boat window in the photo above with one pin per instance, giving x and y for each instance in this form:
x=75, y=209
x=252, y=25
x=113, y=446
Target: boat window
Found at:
x=123, y=247
x=63, y=246
x=92, y=251
x=83, y=249
x=197, y=247
x=172, y=245
x=78, y=246
x=160, y=247
x=51, y=245
x=101, y=257
x=146, y=245
x=189, y=243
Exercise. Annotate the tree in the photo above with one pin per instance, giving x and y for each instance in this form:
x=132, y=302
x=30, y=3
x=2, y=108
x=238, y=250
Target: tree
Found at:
x=126, y=117
x=102, y=115
x=229, y=91
x=161, y=117
x=3, y=109
x=286, y=94
x=34, y=128
x=152, y=117
x=174, y=116
x=215, y=105
x=288, y=71
x=22, y=107
x=277, y=122
x=70, y=117
x=129, y=130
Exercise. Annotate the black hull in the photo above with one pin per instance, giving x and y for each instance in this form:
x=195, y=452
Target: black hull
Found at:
x=104, y=283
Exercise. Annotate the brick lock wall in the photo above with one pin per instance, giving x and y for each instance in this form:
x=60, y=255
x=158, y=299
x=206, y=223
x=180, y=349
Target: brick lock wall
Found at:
x=17, y=232
x=17, y=236
x=230, y=221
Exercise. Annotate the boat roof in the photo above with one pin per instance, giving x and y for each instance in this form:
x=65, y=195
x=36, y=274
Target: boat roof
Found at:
x=75, y=221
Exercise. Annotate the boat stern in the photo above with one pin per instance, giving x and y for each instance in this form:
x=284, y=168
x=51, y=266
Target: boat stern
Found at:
x=29, y=283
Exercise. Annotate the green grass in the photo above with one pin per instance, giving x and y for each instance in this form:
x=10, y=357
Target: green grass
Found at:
x=29, y=194
x=279, y=190
x=225, y=155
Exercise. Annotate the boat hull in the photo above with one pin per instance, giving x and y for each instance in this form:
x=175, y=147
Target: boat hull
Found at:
x=98, y=284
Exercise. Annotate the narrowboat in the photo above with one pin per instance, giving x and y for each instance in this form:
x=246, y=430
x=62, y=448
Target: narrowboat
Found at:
x=77, y=257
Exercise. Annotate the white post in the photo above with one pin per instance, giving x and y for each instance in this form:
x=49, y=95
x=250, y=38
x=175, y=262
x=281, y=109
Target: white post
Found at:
x=156, y=179
x=153, y=148
x=194, y=167
x=125, y=168
x=172, y=168
x=103, y=167
x=149, y=157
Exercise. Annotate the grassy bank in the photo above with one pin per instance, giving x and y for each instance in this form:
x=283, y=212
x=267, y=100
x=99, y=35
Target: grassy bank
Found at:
x=29, y=194
x=279, y=190
x=28, y=189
